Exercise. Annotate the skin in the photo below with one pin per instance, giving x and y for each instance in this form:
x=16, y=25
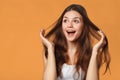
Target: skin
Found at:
x=72, y=20
x=50, y=64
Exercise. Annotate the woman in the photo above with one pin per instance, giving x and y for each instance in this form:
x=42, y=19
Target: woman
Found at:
x=69, y=51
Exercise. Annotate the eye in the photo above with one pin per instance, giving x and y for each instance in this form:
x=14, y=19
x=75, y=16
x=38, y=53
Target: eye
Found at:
x=65, y=20
x=76, y=21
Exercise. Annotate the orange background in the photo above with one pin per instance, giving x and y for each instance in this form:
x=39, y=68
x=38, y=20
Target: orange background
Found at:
x=21, y=21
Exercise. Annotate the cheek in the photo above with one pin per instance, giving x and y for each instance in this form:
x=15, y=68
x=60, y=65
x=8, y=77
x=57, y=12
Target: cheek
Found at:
x=79, y=27
x=79, y=30
x=63, y=27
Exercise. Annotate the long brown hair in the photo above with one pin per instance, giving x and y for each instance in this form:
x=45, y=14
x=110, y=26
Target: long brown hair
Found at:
x=84, y=49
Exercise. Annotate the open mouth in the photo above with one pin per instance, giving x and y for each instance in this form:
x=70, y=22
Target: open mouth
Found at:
x=71, y=33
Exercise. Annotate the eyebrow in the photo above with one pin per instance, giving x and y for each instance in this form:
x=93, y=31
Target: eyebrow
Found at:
x=73, y=18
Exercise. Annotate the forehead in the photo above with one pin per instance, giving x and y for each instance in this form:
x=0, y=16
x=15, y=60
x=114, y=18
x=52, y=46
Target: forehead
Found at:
x=72, y=14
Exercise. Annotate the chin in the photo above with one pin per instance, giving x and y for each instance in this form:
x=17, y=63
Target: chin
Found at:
x=71, y=40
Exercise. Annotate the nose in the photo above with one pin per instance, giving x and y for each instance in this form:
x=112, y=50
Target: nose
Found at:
x=70, y=24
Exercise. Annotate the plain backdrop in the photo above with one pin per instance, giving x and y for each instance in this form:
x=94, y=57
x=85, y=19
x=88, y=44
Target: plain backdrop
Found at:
x=20, y=24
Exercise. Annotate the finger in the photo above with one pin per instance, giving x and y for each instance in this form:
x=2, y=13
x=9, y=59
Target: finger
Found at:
x=42, y=32
x=102, y=41
x=44, y=40
x=102, y=35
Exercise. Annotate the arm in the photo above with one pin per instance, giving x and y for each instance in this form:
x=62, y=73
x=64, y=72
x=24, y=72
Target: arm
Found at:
x=93, y=72
x=50, y=64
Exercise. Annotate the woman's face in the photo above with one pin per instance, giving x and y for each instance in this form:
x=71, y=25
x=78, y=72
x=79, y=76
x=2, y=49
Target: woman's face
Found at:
x=72, y=25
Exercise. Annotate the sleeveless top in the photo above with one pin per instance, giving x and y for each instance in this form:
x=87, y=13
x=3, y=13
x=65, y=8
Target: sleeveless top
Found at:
x=68, y=71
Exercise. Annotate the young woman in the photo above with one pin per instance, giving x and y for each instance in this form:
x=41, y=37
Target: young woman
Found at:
x=69, y=52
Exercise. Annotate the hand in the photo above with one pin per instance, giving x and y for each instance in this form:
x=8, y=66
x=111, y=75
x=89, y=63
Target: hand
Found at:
x=45, y=41
x=101, y=43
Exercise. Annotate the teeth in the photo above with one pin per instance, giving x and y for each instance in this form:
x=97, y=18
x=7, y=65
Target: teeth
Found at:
x=71, y=31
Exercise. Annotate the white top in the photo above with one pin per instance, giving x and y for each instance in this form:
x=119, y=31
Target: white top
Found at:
x=68, y=72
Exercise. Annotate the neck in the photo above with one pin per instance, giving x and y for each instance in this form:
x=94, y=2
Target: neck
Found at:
x=72, y=48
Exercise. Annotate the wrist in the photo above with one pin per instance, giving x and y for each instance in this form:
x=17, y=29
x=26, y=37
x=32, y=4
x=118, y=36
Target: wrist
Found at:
x=51, y=48
x=94, y=52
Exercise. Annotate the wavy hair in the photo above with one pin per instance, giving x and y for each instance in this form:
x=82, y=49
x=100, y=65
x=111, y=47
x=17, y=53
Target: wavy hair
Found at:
x=84, y=48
